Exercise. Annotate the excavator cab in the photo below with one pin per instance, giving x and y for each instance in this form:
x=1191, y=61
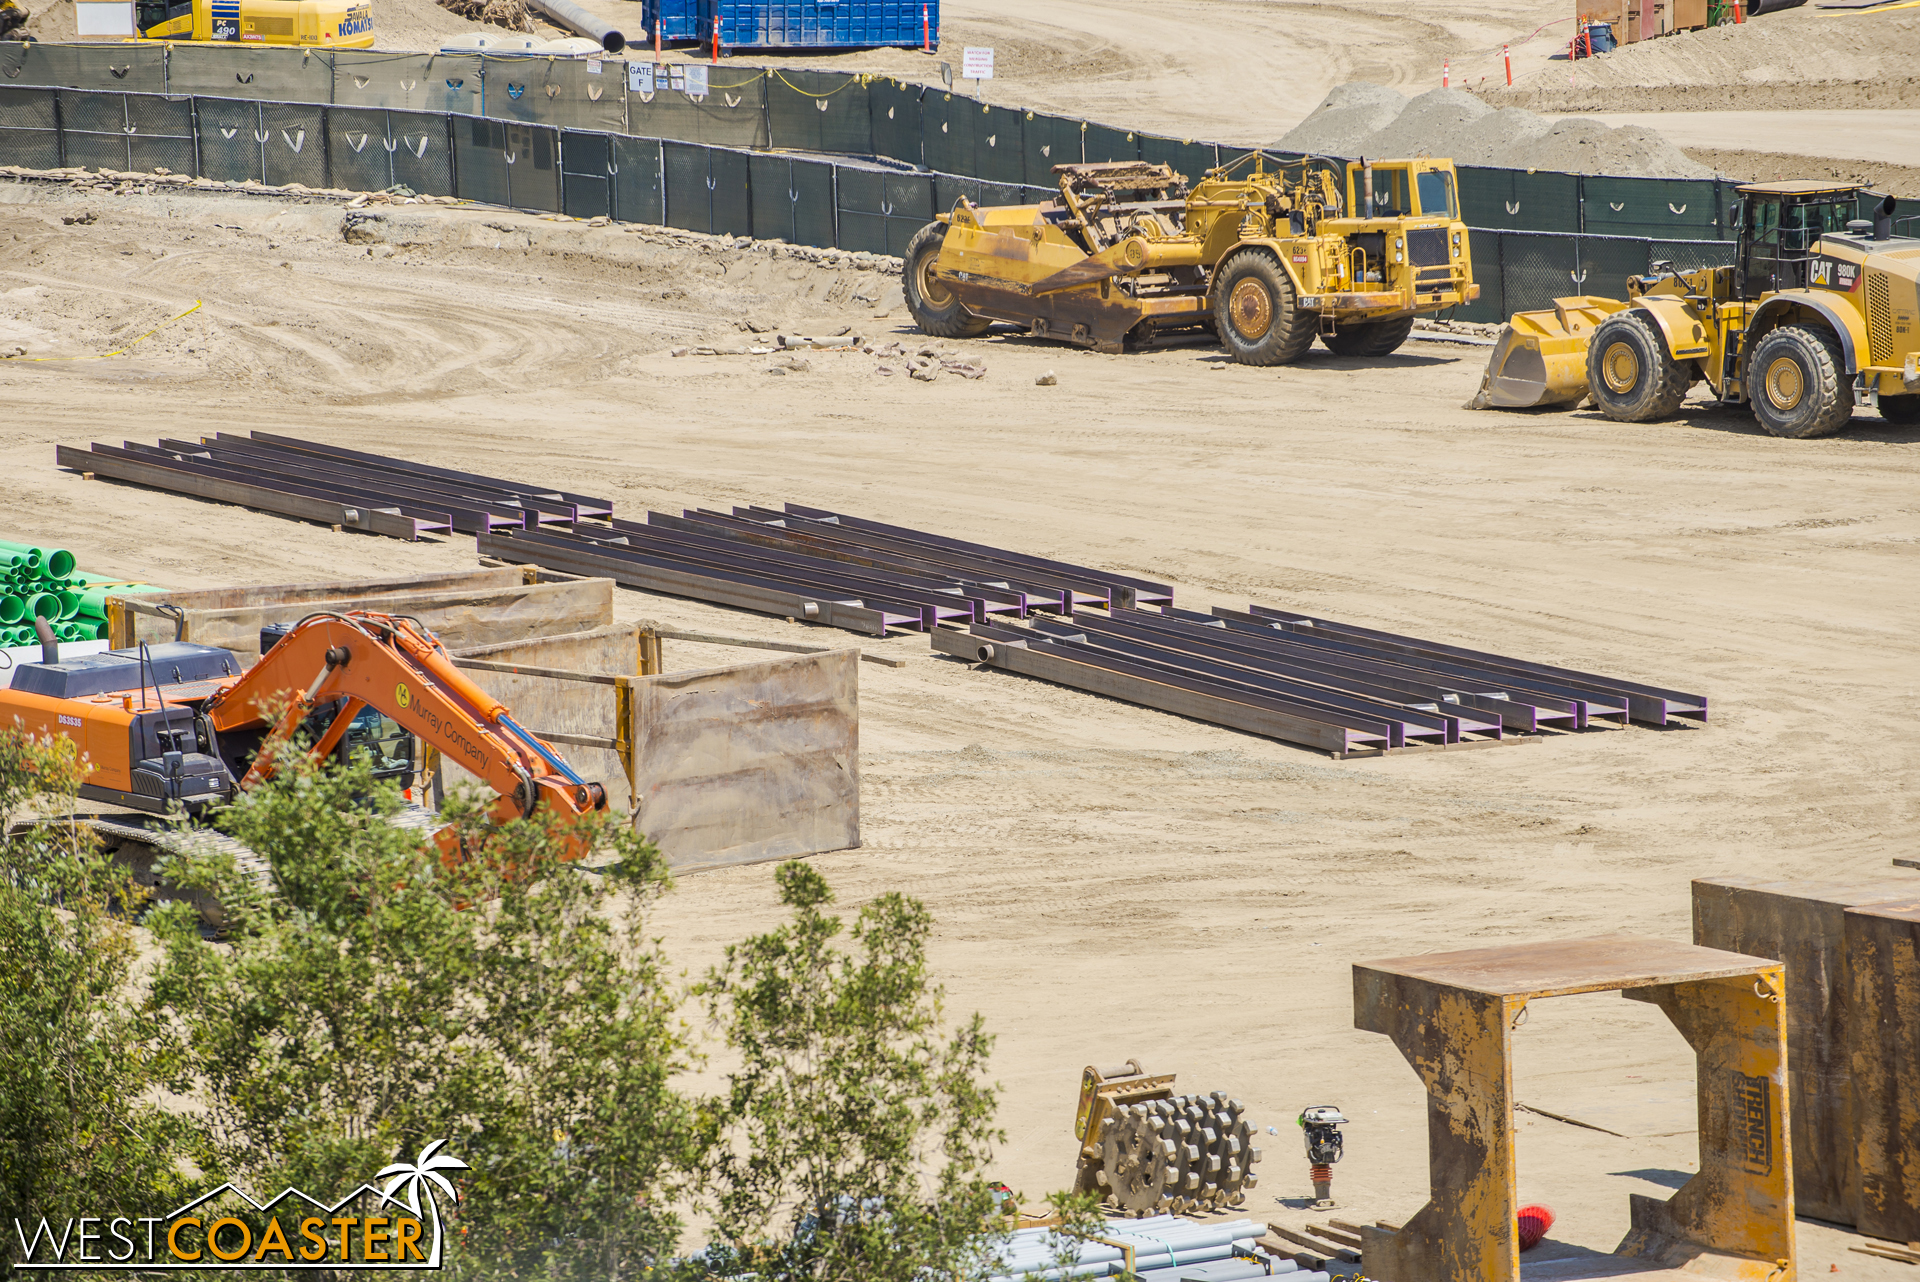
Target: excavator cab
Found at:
x=370, y=731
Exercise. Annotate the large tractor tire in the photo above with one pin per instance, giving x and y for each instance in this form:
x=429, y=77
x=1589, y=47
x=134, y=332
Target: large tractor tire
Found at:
x=1901, y=411
x=933, y=306
x=1369, y=338
x=1259, y=319
x=1632, y=376
x=1795, y=385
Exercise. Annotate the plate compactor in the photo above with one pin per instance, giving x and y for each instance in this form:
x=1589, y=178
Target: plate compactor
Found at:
x=1128, y=256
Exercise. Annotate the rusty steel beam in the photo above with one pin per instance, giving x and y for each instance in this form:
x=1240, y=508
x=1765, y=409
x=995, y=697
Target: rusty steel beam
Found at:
x=1127, y=590
x=1853, y=1001
x=560, y=502
x=1221, y=705
x=163, y=472
x=1650, y=704
x=581, y=556
x=1452, y=1016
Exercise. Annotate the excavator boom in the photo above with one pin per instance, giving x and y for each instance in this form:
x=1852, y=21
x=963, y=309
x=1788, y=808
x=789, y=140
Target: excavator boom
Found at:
x=397, y=668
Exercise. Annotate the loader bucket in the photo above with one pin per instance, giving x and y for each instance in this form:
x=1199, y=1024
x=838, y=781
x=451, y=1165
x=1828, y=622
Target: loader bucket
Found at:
x=1540, y=358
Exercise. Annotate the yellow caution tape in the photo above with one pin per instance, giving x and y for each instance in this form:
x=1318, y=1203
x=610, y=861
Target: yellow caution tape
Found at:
x=122, y=351
x=802, y=92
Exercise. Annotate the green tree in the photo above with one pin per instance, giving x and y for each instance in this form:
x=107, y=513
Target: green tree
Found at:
x=373, y=996
x=80, y=1057
x=853, y=1135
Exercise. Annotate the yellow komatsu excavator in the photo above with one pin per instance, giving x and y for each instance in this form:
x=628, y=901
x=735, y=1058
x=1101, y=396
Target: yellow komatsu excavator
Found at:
x=334, y=24
x=1819, y=313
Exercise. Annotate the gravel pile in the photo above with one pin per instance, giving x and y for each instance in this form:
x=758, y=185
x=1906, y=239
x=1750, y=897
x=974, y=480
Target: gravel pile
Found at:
x=1371, y=120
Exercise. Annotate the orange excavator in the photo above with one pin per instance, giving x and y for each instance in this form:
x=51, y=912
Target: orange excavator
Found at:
x=184, y=726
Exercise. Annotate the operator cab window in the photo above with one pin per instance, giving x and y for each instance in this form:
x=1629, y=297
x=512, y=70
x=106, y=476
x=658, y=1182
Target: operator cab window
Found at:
x=1436, y=192
x=1390, y=195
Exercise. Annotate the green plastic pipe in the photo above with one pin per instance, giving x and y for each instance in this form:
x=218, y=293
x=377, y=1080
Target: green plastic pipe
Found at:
x=70, y=632
x=56, y=562
x=93, y=601
x=100, y=631
x=44, y=605
x=69, y=604
x=12, y=609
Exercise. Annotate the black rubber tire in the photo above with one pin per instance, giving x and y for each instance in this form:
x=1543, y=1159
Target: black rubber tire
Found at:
x=933, y=307
x=1369, y=338
x=1270, y=327
x=1903, y=411
x=1795, y=384
x=1632, y=376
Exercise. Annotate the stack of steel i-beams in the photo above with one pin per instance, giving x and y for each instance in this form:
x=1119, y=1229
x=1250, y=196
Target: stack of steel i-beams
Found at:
x=807, y=563
x=1349, y=690
x=348, y=488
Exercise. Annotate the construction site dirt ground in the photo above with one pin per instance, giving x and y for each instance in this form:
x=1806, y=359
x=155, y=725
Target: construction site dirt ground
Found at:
x=1107, y=881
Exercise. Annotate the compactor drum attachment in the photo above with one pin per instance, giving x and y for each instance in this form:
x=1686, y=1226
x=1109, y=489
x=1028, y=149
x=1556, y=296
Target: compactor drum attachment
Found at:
x=1179, y=1156
x=1152, y=1152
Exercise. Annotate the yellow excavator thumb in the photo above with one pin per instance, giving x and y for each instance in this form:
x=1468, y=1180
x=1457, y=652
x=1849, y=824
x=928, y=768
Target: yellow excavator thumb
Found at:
x=1540, y=358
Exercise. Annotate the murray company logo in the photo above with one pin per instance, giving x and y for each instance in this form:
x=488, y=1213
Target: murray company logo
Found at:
x=403, y=1229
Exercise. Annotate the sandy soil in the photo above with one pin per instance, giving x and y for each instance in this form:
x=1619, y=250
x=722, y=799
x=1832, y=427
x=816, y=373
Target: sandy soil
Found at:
x=1764, y=166
x=1108, y=881
x=1804, y=59
x=1841, y=135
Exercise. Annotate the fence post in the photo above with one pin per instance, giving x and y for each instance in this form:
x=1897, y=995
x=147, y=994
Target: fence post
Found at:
x=1579, y=203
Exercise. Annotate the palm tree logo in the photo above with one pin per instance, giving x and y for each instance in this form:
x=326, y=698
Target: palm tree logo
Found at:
x=423, y=1175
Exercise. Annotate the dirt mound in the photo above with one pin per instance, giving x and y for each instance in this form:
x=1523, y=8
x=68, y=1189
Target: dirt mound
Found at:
x=1363, y=120
x=1347, y=116
x=1797, y=60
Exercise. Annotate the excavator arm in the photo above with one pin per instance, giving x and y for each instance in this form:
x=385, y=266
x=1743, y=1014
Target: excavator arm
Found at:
x=398, y=668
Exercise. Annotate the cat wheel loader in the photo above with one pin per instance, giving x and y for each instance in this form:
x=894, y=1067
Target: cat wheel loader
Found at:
x=1265, y=262
x=1820, y=312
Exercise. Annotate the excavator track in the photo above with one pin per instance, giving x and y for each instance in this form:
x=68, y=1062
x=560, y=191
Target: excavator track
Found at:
x=138, y=841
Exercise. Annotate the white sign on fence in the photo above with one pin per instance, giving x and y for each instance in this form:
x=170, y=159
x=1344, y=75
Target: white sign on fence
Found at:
x=977, y=64
x=104, y=19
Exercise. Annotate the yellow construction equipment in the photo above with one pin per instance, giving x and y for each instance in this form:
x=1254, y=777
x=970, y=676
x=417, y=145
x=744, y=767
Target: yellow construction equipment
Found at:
x=1819, y=312
x=338, y=24
x=1265, y=261
x=1148, y=1151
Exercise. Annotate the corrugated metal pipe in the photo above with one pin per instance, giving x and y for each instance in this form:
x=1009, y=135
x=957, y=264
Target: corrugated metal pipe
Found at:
x=578, y=20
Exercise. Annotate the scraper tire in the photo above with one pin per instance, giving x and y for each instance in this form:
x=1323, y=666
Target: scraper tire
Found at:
x=1632, y=375
x=1259, y=319
x=933, y=305
x=1369, y=338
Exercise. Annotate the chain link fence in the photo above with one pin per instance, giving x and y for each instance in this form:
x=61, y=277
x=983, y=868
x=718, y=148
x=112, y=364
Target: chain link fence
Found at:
x=828, y=115
x=818, y=199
